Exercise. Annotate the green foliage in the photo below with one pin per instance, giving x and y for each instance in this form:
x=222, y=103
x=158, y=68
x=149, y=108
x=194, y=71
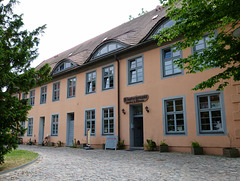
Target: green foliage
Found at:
x=17, y=50
x=150, y=145
x=193, y=20
x=163, y=143
x=195, y=144
x=120, y=144
x=139, y=14
x=74, y=144
x=59, y=143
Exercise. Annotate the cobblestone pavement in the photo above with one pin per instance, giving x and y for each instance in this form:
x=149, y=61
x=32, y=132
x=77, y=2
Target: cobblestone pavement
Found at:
x=78, y=164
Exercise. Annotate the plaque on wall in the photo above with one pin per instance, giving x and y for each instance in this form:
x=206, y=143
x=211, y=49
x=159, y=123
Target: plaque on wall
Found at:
x=135, y=99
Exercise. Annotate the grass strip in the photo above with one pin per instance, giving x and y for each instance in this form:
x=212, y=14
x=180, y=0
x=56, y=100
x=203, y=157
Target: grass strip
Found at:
x=17, y=158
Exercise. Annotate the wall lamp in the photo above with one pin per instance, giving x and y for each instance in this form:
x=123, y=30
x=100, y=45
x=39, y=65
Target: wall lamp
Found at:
x=147, y=109
x=123, y=111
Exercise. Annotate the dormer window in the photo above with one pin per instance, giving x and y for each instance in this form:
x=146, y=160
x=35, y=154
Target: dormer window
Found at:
x=108, y=48
x=63, y=66
x=167, y=24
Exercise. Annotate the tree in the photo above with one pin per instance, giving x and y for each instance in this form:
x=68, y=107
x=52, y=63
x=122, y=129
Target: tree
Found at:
x=193, y=19
x=17, y=50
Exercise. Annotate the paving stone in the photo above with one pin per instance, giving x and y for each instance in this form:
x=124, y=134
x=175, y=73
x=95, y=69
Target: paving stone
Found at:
x=78, y=164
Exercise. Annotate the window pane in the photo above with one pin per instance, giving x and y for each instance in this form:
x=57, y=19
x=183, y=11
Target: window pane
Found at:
x=214, y=101
x=177, y=53
x=133, y=64
x=139, y=62
x=133, y=76
x=205, y=121
x=112, y=47
x=170, y=106
x=104, y=50
x=111, y=113
x=169, y=23
x=167, y=54
x=216, y=120
x=105, y=113
x=203, y=102
x=178, y=105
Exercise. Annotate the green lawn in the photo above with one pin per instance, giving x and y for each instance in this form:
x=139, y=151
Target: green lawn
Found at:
x=17, y=158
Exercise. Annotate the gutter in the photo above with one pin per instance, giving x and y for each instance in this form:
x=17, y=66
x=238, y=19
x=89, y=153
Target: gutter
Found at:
x=118, y=94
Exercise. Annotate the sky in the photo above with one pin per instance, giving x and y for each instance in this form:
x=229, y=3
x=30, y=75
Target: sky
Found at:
x=71, y=22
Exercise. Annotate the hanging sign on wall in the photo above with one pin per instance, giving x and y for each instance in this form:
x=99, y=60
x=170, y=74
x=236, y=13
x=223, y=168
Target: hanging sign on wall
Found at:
x=135, y=99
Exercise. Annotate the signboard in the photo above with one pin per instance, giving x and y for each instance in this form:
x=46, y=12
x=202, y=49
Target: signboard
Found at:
x=88, y=137
x=135, y=99
x=111, y=142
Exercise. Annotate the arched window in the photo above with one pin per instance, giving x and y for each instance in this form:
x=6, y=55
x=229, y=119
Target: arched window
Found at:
x=108, y=48
x=63, y=66
x=165, y=24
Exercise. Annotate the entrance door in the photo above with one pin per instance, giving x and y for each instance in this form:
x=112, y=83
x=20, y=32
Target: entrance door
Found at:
x=70, y=129
x=138, y=131
x=41, y=130
x=136, y=126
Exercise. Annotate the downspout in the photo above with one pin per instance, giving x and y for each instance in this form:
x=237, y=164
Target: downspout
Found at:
x=118, y=95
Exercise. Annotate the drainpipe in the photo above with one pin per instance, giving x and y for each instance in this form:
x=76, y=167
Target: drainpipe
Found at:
x=118, y=95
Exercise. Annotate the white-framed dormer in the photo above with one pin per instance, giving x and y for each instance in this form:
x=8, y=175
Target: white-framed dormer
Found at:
x=107, y=47
x=63, y=65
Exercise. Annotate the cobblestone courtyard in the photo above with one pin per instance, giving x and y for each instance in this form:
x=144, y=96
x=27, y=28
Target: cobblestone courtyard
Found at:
x=78, y=164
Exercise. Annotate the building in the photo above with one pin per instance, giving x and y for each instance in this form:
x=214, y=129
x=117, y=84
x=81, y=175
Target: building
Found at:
x=121, y=83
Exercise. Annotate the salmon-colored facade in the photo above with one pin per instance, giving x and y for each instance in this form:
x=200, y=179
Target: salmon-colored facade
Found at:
x=160, y=106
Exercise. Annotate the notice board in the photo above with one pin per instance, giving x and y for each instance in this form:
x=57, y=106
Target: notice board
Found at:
x=111, y=142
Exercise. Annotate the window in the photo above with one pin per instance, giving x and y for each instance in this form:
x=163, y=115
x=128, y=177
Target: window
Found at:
x=22, y=124
x=110, y=47
x=32, y=97
x=135, y=70
x=91, y=82
x=56, y=91
x=202, y=44
x=210, y=113
x=30, y=127
x=43, y=95
x=24, y=96
x=174, y=115
x=108, y=77
x=168, y=56
x=54, y=129
x=90, y=121
x=108, y=121
x=166, y=24
x=71, y=92
x=63, y=66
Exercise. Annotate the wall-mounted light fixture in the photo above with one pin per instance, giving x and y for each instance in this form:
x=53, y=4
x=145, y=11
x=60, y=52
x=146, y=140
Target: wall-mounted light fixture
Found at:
x=123, y=111
x=147, y=109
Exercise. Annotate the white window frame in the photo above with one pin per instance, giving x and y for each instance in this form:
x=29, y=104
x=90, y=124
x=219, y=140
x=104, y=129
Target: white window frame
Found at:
x=211, y=132
x=73, y=86
x=130, y=70
x=104, y=87
x=57, y=91
x=91, y=120
x=54, y=125
x=90, y=82
x=30, y=127
x=43, y=95
x=108, y=121
x=24, y=95
x=165, y=113
x=32, y=97
x=162, y=61
x=23, y=124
